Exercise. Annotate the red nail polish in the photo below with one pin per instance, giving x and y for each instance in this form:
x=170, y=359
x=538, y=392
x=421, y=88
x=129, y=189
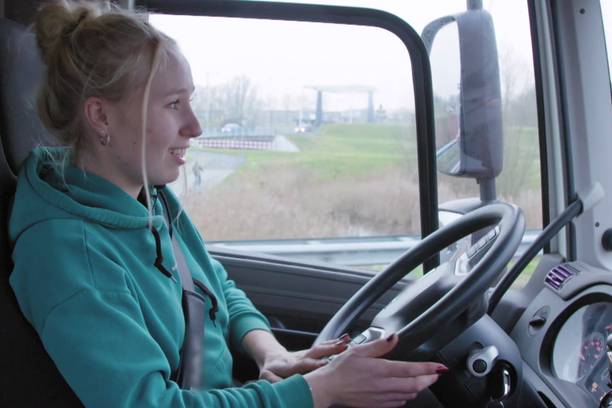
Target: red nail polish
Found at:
x=441, y=369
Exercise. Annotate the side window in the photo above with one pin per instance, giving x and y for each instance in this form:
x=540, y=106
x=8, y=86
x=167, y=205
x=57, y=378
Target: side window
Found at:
x=309, y=146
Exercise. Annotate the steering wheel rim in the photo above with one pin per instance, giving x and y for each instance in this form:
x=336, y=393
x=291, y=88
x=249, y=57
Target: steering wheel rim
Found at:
x=511, y=225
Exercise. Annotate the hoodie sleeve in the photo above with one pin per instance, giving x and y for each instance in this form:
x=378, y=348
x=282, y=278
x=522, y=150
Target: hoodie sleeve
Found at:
x=98, y=337
x=104, y=351
x=243, y=316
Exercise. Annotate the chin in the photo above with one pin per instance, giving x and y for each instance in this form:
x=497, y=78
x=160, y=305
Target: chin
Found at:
x=164, y=179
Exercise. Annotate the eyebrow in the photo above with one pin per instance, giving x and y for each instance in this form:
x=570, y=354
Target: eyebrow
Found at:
x=180, y=90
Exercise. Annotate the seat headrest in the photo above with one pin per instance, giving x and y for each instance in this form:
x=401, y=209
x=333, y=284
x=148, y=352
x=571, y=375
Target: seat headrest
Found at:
x=21, y=70
x=23, y=357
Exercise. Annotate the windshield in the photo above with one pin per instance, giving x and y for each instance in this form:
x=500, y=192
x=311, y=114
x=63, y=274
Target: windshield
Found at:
x=309, y=147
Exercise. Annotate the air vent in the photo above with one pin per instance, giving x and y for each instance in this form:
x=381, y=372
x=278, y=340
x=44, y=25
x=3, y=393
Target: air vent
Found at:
x=559, y=275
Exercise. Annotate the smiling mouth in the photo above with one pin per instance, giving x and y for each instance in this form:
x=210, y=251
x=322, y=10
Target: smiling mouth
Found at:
x=179, y=153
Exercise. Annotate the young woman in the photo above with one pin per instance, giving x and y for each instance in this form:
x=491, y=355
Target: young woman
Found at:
x=94, y=264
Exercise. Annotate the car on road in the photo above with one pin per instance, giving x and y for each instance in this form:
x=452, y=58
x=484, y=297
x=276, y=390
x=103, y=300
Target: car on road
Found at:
x=231, y=129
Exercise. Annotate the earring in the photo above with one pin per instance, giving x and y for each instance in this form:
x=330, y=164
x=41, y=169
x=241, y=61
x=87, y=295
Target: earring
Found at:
x=104, y=138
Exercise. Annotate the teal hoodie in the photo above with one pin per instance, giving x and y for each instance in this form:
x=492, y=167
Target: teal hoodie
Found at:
x=113, y=324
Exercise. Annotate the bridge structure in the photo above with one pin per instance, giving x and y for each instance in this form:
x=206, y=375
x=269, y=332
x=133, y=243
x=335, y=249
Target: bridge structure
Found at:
x=321, y=89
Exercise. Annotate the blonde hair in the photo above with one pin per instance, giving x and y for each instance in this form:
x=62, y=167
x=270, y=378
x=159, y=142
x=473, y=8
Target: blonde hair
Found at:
x=94, y=49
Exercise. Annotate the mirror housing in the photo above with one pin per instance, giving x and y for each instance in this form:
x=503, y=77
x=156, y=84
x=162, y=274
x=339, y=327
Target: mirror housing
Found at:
x=477, y=151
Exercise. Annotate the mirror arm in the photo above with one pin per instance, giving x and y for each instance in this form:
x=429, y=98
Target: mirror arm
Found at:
x=474, y=4
x=488, y=192
x=429, y=32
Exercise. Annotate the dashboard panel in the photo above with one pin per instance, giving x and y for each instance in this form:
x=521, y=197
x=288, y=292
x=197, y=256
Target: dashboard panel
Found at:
x=562, y=335
x=579, y=353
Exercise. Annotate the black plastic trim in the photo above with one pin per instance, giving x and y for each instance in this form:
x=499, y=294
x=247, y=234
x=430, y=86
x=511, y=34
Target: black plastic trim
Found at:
x=537, y=64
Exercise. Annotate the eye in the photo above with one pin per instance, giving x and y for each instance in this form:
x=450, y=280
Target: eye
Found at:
x=174, y=104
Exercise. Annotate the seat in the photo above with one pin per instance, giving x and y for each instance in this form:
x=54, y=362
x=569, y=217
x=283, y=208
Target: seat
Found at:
x=29, y=377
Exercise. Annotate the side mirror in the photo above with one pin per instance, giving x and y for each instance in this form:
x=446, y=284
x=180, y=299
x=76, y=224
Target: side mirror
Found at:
x=477, y=149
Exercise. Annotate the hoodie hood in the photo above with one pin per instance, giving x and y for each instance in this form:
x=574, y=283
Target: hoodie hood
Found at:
x=69, y=192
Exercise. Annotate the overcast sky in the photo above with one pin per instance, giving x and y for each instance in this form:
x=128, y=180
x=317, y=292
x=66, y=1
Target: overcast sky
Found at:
x=285, y=58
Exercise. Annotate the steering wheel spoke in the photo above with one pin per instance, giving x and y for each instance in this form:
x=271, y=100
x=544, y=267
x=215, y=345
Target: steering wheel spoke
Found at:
x=439, y=306
x=416, y=298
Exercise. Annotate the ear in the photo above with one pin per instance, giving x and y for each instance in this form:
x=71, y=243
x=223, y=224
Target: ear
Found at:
x=95, y=110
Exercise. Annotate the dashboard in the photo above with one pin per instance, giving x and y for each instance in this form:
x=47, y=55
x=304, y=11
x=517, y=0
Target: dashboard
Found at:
x=563, y=336
x=580, y=348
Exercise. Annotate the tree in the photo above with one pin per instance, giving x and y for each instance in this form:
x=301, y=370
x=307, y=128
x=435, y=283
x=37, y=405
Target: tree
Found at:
x=239, y=101
x=235, y=101
x=520, y=119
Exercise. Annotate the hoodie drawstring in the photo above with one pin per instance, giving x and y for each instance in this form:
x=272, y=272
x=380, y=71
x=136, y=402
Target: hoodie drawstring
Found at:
x=159, y=258
x=213, y=299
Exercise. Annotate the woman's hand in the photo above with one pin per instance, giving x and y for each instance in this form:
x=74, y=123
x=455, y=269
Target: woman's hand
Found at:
x=281, y=364
x=359, y=378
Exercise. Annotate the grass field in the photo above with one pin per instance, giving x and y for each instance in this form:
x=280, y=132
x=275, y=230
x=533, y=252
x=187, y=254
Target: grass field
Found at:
x=346, y=151
x=352, y=150
x=347, y=180
x=359, y=152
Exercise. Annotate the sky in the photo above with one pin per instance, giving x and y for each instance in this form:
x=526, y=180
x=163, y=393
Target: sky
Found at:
x=284, y=59
x=606, y=11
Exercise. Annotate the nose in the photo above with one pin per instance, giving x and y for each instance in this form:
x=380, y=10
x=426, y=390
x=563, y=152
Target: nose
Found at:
x=191, y=128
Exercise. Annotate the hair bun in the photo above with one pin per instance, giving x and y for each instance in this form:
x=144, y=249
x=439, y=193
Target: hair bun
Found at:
x=56, y=21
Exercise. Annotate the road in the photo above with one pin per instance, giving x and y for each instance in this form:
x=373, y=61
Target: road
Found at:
x=214, y=168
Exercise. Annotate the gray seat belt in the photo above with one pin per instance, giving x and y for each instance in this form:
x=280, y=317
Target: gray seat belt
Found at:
x=194, y=305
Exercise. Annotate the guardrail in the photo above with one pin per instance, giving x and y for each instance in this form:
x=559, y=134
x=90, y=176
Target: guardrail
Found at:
x=341, y=251
x=234, y=142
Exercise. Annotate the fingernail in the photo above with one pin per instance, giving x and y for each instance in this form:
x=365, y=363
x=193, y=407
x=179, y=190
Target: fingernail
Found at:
x=390, y=337
x=441, y=369
x=344, y=337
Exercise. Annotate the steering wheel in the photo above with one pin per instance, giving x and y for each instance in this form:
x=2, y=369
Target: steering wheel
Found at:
x=437, y=307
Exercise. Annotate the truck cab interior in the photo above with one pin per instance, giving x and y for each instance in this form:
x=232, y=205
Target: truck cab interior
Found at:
x=470, y=215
